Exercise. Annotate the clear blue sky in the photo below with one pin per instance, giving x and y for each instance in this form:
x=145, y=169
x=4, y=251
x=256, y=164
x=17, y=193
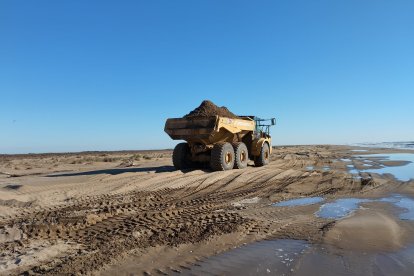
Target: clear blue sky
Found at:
x=104, y=75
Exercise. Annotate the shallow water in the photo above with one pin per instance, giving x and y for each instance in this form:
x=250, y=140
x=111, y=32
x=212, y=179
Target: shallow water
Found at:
x=394, y=145
x=403, y=173
x=344, y=207
x=276, y=257
x=408, y=205
x=405, y=203
x=327, y=260
x=295, y=257
x=324, y=168
x=299, y=202
x=340, y=208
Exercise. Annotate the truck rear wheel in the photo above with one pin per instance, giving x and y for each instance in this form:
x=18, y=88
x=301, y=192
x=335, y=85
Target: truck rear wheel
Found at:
x=264, y=157
x=241, y=155
x=180, y=156
x=222, y=157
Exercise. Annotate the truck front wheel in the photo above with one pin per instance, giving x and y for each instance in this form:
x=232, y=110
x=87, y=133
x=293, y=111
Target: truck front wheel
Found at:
x=264, y=157
x=222, y=157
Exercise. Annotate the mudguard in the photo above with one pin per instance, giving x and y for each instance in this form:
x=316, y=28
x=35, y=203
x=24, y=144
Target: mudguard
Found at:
x=257, y=145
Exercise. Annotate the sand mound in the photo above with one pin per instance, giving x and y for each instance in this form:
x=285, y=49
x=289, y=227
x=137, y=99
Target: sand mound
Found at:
x=368, y=231
x=207, y=109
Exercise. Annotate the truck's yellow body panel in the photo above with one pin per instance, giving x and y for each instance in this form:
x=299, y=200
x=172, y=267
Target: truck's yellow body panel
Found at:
x=203, y=132
x=209, y=130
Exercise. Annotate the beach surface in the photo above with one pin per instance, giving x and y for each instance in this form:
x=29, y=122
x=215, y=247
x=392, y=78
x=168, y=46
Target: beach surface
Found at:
x=123, y=213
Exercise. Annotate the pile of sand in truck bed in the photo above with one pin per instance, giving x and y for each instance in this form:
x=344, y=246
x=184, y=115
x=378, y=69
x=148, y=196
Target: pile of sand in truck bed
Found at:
x=207, y=109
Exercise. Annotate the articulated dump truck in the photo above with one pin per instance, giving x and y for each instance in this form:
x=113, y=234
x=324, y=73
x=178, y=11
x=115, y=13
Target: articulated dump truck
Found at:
x=224, y=143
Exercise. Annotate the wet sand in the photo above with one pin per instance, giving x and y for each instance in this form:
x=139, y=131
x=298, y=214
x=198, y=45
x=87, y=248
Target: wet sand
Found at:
x=131, y=212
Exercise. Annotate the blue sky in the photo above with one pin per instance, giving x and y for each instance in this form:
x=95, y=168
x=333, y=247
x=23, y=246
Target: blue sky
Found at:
x=104, y=75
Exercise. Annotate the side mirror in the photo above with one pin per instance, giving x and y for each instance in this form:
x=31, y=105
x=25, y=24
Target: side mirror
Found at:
x=273, y=121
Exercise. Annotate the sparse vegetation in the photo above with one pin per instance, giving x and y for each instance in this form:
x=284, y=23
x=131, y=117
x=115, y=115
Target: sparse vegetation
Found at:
x=136, y=157
x=109, y=159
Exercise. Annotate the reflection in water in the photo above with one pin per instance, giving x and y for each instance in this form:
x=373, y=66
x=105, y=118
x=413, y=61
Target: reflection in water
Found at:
x=295, y=257
x=405, y=203
x=404, y=172
x=343, y=207
x=276, y=257
x=299, y=202
x=324, y=260
x=340, y=208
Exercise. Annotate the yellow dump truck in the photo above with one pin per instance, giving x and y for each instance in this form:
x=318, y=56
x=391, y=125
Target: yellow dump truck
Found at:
x=224, y=143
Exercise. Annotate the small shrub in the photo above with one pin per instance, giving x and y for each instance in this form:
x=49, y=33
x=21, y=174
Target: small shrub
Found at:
x=108, y=159
x=136, y=157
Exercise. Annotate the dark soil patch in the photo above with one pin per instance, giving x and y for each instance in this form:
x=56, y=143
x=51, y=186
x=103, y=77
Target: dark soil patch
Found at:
x=13, y=186
x=207, y=109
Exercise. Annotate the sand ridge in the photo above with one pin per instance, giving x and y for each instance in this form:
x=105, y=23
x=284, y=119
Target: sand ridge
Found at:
x=367, y=231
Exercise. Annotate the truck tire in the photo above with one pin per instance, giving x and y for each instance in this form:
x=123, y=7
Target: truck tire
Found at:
x=241, y=155
x=180, y=156
x=222, y=157
x=264, y=157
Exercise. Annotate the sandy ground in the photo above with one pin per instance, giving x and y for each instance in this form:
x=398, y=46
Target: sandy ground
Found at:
x=131, y=212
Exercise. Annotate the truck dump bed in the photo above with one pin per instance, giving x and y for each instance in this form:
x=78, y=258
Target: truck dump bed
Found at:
x=208, y=130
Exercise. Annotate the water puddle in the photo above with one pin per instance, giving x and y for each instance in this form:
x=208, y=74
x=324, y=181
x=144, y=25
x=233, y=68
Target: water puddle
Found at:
x=405, y=203
x=324, y=168
x=275, y=257
x=403, y=173
x=344, y=207
x=328, y=260
x=350, y=167
x=299, y=202
x=359, y=150
x=408, y=205
x=340, y=208
x=296, y=257
x=346, y=160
